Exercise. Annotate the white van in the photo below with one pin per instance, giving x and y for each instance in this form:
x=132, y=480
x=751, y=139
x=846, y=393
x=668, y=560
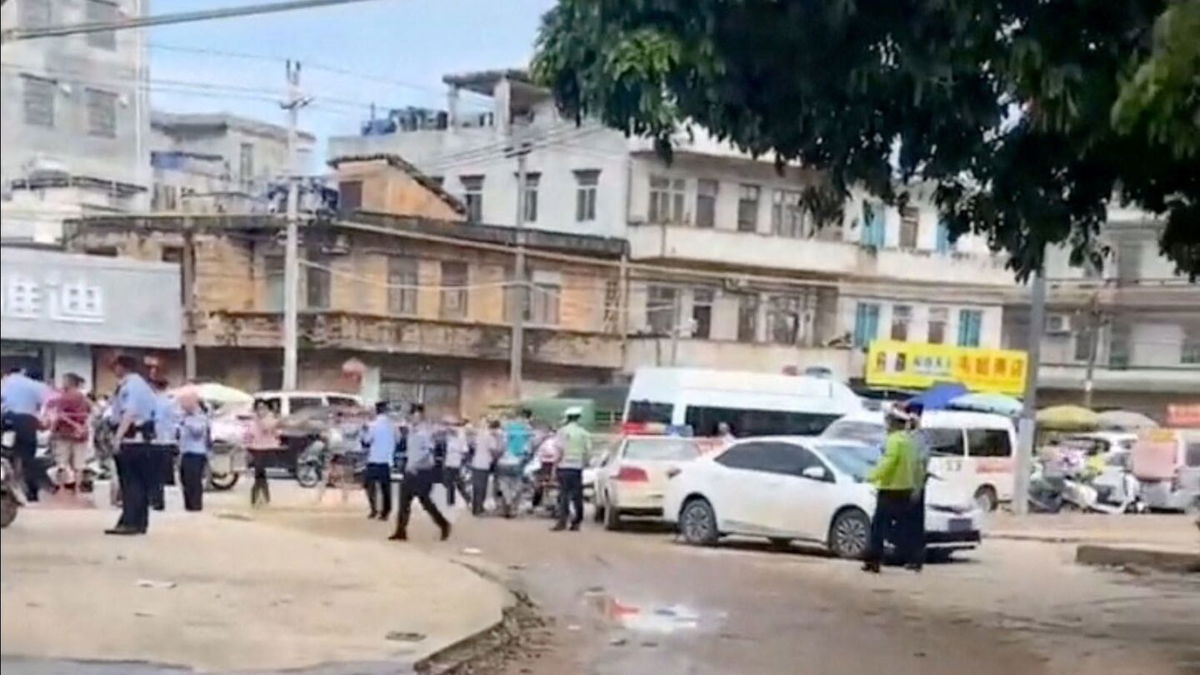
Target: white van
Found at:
x=285, y=403
x=752, y=404
x=974, y=450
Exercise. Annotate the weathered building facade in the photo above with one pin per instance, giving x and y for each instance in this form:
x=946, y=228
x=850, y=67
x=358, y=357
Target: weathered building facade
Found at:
x=422, y=304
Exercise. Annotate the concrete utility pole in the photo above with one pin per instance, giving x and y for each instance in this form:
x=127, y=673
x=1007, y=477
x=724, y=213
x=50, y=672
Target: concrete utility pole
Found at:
x=291, y=254
x=676, y=326
x=189, y=301
x=1094, y=324
x=519, y=292
x=1028, y=421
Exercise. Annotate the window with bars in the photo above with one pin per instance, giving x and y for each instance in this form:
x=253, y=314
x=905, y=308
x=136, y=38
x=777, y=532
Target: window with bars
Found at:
x=246, y=163
x=38, y=101
x=1190, y=351
x=1119, y=337
x=403, y=279
x=901, y=318
x=454, y=291
x=938, y=318
x=612, y=305
x=910, y=225
x=666, y=200
x=706, y=203
x=101, y=113
x=99, y=11
x=531, y=197
x=866, y=324
x=318, y=282
x=747, y=329
x=473, y=197
x=788, y=217
x=747, y=213
x=783, y=319
x=273, y=278
x=545, y=298
x=165, y=197
x=660, y=309
x=587, y=182
x=702, y=308
x=872, y=224
x=970, y=327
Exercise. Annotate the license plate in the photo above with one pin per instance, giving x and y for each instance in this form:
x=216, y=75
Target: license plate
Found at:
x=960, y=524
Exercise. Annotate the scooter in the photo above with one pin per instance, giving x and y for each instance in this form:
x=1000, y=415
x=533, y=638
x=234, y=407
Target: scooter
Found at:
x=1045, y=493
x=12, y=493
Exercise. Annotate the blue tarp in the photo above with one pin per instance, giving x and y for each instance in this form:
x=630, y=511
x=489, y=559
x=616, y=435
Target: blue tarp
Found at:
x=937, y=396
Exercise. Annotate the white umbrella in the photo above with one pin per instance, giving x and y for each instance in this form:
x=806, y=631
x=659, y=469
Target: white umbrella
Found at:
x=217, y=394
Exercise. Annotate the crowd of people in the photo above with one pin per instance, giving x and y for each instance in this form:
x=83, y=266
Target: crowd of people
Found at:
x=151, y=434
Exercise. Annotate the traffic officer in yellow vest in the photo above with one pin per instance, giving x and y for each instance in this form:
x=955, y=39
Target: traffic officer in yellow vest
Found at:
x=575, y=445
x=894, y=477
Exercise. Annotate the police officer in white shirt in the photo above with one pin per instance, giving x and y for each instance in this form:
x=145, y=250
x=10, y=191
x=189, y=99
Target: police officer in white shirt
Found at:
x=380, y=440
x=133, y=409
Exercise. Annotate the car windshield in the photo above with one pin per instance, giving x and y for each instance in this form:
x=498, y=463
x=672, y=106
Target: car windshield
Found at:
x=856, y=430
x=661, y=449
x=853, y=460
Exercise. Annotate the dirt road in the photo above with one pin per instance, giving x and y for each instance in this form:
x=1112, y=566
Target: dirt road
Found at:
x=638, y=602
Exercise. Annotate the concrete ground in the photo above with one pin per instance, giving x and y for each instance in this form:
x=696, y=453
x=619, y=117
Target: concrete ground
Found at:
x=639, y=602
x=222, y=591
x=621, y=603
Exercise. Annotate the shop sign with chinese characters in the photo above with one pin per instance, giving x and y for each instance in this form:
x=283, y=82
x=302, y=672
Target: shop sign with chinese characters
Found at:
x=917, y=365
x=48, y=296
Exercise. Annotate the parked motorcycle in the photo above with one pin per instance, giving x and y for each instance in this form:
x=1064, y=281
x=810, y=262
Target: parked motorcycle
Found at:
x=12, y=493
x=225, y=464
x=1045, y=493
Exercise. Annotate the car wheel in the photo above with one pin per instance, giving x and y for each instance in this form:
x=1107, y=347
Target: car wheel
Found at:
x=612, y=517
x=698, y=522
x=849, y=533
x=985, y=499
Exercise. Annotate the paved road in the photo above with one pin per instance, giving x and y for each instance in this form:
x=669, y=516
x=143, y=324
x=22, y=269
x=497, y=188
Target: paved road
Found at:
x=638, y=602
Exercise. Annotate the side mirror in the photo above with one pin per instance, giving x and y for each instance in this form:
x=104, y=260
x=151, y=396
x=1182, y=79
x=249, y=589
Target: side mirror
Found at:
x=815, y=473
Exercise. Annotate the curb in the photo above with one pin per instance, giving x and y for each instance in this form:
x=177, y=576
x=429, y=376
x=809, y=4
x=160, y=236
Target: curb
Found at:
x=1161, y=559
x=493, y=643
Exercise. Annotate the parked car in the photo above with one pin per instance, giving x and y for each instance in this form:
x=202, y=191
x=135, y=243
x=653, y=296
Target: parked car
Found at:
x=632, y=478
x=286, y=403
x=804, y=488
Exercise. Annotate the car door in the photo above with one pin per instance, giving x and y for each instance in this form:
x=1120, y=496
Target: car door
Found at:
x=748, y=494
x=809, y=495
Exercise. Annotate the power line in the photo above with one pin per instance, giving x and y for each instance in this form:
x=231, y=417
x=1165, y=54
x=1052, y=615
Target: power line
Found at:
x=17, y=34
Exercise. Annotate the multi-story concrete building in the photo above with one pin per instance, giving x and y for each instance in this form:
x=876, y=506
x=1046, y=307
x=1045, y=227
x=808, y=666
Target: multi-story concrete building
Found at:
x=420, y=301
x=1132, y=318
x=74, y=118
x=219, y=163
x=755, y=282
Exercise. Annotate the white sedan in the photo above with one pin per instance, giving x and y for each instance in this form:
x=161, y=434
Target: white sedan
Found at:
x=803, y=488
x=632, y=479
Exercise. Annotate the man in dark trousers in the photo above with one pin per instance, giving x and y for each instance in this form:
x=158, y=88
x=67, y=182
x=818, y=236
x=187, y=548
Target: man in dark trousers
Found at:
x=894, y=477
x=194, y=440
x=380, y=441
x=419, y=476
x=24, y=396
x=166, y=442
x=137, y=467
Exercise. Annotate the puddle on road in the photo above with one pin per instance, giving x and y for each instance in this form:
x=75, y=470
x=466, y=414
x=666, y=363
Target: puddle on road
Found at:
x=648, y=617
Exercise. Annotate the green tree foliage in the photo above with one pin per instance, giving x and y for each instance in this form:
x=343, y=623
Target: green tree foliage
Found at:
x=1029, y=116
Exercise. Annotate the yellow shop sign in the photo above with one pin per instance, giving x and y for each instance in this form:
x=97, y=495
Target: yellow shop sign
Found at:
x=919, y=365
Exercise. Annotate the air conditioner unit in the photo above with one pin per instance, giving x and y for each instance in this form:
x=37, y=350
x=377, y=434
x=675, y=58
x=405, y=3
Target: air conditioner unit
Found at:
x=1058, y=324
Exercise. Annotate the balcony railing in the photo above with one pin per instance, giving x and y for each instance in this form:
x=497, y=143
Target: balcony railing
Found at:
x=374, y=333
x=842, y=258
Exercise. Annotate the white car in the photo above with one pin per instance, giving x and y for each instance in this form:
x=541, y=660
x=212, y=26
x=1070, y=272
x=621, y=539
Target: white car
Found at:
x=803, y=488
x=633, y=477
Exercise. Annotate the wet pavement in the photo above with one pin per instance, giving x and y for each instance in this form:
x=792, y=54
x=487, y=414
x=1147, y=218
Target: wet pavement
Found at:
x=638, y=602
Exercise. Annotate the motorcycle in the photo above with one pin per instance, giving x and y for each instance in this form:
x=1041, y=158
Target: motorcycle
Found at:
x=12, y=493
x=1046, y=494
x=223, y=466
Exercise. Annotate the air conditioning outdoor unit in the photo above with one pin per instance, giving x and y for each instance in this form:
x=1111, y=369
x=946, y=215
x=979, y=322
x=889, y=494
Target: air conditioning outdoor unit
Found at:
x=1058, y=324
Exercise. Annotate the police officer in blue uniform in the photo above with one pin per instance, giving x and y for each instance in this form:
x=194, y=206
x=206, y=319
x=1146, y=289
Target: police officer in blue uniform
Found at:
x=133, y=409
x=22, y=398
